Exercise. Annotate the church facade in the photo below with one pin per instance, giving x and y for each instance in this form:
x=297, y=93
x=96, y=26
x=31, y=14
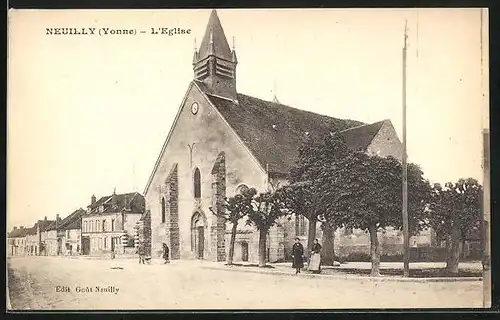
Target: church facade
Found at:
x=222, y=141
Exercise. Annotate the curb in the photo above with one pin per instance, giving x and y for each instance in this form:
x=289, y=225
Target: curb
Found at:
x=356, y=278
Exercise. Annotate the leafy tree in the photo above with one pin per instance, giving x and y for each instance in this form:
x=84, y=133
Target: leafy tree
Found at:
x=455, y=213
x=360, y=191
x=301, y=195
x=266, y=209
x=236, y=208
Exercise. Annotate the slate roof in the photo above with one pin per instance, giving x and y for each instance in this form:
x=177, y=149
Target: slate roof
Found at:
x=117, y=203
x=73, y=221
x=359, y=138
x=272, y=131
x=214, y=34
x=19, y=233
x=44, y=224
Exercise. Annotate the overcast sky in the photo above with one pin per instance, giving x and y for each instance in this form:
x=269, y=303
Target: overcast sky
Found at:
x=87, y=114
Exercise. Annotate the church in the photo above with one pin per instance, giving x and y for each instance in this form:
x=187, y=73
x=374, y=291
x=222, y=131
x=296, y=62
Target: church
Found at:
x=222, y=141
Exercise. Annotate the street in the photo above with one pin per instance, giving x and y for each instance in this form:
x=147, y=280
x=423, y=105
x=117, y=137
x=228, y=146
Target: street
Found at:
x=56, y=283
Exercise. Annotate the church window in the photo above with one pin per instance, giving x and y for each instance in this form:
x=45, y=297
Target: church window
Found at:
x=163, y=209
x=197, y=183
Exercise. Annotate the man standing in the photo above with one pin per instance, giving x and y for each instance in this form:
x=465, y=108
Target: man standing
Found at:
x=298, y=256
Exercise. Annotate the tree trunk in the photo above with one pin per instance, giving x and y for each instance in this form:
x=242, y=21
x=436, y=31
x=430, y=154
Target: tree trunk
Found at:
x=231, y=244
x=455, y=247
x=262, y=247
x=374, y=251
x=311, y=235
x=328, y=245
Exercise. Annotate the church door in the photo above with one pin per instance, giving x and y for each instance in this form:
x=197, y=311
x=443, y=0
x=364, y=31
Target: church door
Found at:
x=244, y=251
x=201, y=241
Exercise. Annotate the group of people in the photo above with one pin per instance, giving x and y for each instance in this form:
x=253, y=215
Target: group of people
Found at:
x=298, y=257
x=141, y=251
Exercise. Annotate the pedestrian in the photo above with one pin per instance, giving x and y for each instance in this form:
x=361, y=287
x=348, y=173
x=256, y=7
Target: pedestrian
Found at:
x=165, y=253
x=140, y=252
x=315, y=260
x=298, y=256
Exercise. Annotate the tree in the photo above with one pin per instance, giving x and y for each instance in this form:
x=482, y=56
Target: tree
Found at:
x=455, y=212
x=361, y=191
x=265, y=211
x=301, y=196
x=236, y=208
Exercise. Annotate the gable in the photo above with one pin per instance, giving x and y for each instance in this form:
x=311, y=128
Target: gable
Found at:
x=211, y=134
x=386, y=142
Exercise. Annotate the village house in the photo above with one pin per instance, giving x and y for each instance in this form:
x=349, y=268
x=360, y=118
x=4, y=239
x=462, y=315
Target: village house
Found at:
x=17, y=242
x=108, y=225
x=223, y=141
x=53, y=245
x=69, y=232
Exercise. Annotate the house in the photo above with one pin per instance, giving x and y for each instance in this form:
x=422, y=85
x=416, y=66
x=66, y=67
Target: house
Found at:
x=17, y=242
x=53, y=244
x=108, y=224
x=223, y=141
x=42, y=235
x=70, y=232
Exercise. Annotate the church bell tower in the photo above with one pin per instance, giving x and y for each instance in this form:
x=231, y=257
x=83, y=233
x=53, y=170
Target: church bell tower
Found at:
x=214, y=64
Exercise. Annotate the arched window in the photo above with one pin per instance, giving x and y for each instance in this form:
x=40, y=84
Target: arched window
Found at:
x=197, y=183
x=163, y=210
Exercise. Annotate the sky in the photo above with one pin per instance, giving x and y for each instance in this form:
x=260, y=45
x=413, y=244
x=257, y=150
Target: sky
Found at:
x=89, y=114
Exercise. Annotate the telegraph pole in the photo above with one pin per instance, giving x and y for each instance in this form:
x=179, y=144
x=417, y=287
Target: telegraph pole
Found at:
x=486, y=191
x=406, y=241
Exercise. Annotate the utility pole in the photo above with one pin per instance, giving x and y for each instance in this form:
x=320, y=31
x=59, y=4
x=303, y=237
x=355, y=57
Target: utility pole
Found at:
x=406, y=241
x=486, y=189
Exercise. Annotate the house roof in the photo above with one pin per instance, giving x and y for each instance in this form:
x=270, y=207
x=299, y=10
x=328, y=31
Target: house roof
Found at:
x=73, y=221
x=114, y=203
x=19, y=233
x=272, y=131
x=44, y=224
x=52, y=226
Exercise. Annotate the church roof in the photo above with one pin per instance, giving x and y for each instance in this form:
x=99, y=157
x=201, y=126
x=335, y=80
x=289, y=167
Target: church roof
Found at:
x=273, y=132
x=214, y=34
x=359, y=138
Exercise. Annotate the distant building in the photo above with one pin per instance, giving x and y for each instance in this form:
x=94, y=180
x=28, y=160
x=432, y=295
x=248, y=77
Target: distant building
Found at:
x=17, y=242
x=70, y=232
x=53, y=244
x=108, y=225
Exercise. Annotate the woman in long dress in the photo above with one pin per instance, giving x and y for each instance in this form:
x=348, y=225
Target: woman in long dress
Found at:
x=298, y=256
x=166, y=253
x=315, y=261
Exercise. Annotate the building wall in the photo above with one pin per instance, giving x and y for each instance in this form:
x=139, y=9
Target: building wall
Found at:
x=71, y=242
x=101, y=238
x=17, y=247
x=32, y=244
x=211, y=136
x=51, y=242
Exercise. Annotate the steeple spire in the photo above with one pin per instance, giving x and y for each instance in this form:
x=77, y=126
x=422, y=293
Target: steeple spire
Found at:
x=215, y=63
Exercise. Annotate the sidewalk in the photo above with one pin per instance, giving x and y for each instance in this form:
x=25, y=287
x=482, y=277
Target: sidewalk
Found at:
x=284, y=269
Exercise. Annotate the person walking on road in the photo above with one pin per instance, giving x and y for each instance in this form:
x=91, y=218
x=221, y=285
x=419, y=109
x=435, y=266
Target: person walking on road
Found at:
x=298, y=256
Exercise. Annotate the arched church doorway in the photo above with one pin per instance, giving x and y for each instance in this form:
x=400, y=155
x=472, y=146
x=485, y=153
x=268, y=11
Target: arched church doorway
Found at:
x=198, y=234
x=244, y=251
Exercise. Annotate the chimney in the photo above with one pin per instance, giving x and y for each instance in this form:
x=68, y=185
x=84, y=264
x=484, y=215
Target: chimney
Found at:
x=57, y=220
x=21, y=227
x=92, y=200
x=15, y=228
x=45, y=218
